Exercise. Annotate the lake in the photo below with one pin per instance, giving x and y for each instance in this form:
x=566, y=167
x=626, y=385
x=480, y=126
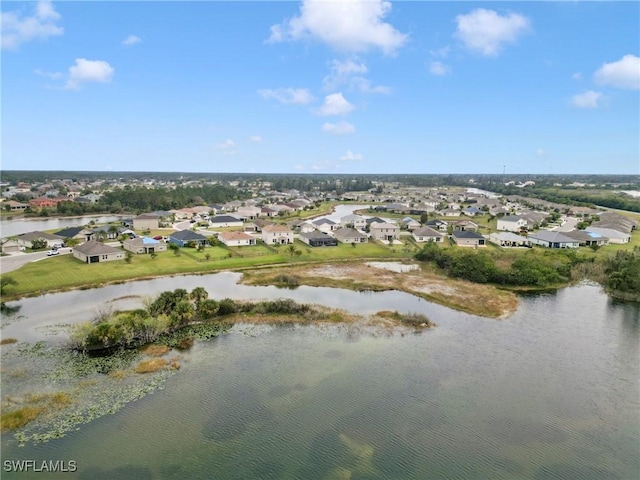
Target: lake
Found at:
x=10, y=228
x=551, y=392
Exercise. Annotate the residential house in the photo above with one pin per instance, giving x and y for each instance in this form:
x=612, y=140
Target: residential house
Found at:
x=587, y=238
x=616, y=221
x=146, y=221
x=384, y=231
x=472, y=211
x=78, y=233
x=511, y=223
x=318, y=239
x=427, y=234
x=15, y=206
x=248, y=212
x=410, y=223
x=353, y=221
x=236, y=239
x=45, y=202
x=9, y=246
x=613, y=235
x=325, y=225
x=277, y=234
x=26, y=239
x=509, y=239
x=349, y=235
x=449, y=212
x=546, y=238
x=225, y=221
x=185, y=237
x=306, y=227
x=467, y=225
x=467, y=238
x=144, y=245
x=95, y=252
x=440, y=225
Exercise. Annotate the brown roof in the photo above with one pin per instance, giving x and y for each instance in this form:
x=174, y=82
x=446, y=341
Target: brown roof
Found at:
x=276, y=228
x=93, y=247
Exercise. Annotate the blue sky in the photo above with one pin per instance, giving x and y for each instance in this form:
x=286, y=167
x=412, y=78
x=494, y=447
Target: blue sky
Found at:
x=322, y=87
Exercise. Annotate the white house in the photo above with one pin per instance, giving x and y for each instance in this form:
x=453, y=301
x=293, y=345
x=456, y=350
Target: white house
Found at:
x=349, y=235
x=511, y=223
x=614, y=236
x=236, y=239
x=356, y=221
x=277, y=234
x=509, y=239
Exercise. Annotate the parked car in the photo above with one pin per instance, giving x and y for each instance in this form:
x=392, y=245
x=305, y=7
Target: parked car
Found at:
x=52, y=252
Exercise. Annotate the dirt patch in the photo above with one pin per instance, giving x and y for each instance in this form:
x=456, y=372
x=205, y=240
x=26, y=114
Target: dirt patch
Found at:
x=477, y=299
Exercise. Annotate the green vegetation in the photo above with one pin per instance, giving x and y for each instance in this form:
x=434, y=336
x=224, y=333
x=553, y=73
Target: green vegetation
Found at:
x=532, y=269
x=623, y=274
x=169, y=312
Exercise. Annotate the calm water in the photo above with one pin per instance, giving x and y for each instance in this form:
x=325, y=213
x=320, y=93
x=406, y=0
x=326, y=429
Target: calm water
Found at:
x=551, y=393
x=10, y=228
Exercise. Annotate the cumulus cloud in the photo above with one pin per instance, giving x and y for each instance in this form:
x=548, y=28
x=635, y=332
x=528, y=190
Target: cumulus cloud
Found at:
x=487, y=32
x=351, y=157
x=588, y=99
x=255, y=138
x=17, y=29
x=131, y=40
x=335, y=104
x=340, y=128
x=88, y=71
x=625, y=73
x=345, y=25
x=441, y=52
x=439, y=68
x=287, y=96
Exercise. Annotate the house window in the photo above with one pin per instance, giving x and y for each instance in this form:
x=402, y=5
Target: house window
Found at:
x=105, y=257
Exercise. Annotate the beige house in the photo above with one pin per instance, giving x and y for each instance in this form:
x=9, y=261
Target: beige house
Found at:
x=146, y=221
x=236, y=239
x=384, y=231
x=95, y=252
x=144, y=245
x=26, y=239
x=467, y=238
x=427, y=234
x=277, y=235
x=349, y=235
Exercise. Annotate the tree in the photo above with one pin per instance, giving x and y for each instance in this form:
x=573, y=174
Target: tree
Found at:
x=198, y=294
x=424, y=217
x=71, y=242
x=153, y=255
x=128, y=257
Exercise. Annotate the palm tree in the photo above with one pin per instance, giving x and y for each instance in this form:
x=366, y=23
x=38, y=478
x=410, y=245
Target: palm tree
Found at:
x=198, y=294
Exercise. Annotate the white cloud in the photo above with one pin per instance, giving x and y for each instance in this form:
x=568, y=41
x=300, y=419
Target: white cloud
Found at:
x=255, y=138
x=540, y=152
x=345, y=25
x=295, y=96
x=340, y=128
x=625, y=73
x=227, y=147
x=351, y=74
x=131, y=40
x=441, y=52
x=87, y=71
x=439, y=68
x=17, y=29
x=51, y=75
x=588, y=99
x=577, y=76
x=351, y=157
x=335, y=104
x=486, y=32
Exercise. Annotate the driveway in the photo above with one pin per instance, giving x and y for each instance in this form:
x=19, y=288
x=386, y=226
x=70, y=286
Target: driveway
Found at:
x=17, y=260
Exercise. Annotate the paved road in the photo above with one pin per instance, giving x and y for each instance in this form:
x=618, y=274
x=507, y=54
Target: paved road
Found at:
x=17, y=260
x=568, y=224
